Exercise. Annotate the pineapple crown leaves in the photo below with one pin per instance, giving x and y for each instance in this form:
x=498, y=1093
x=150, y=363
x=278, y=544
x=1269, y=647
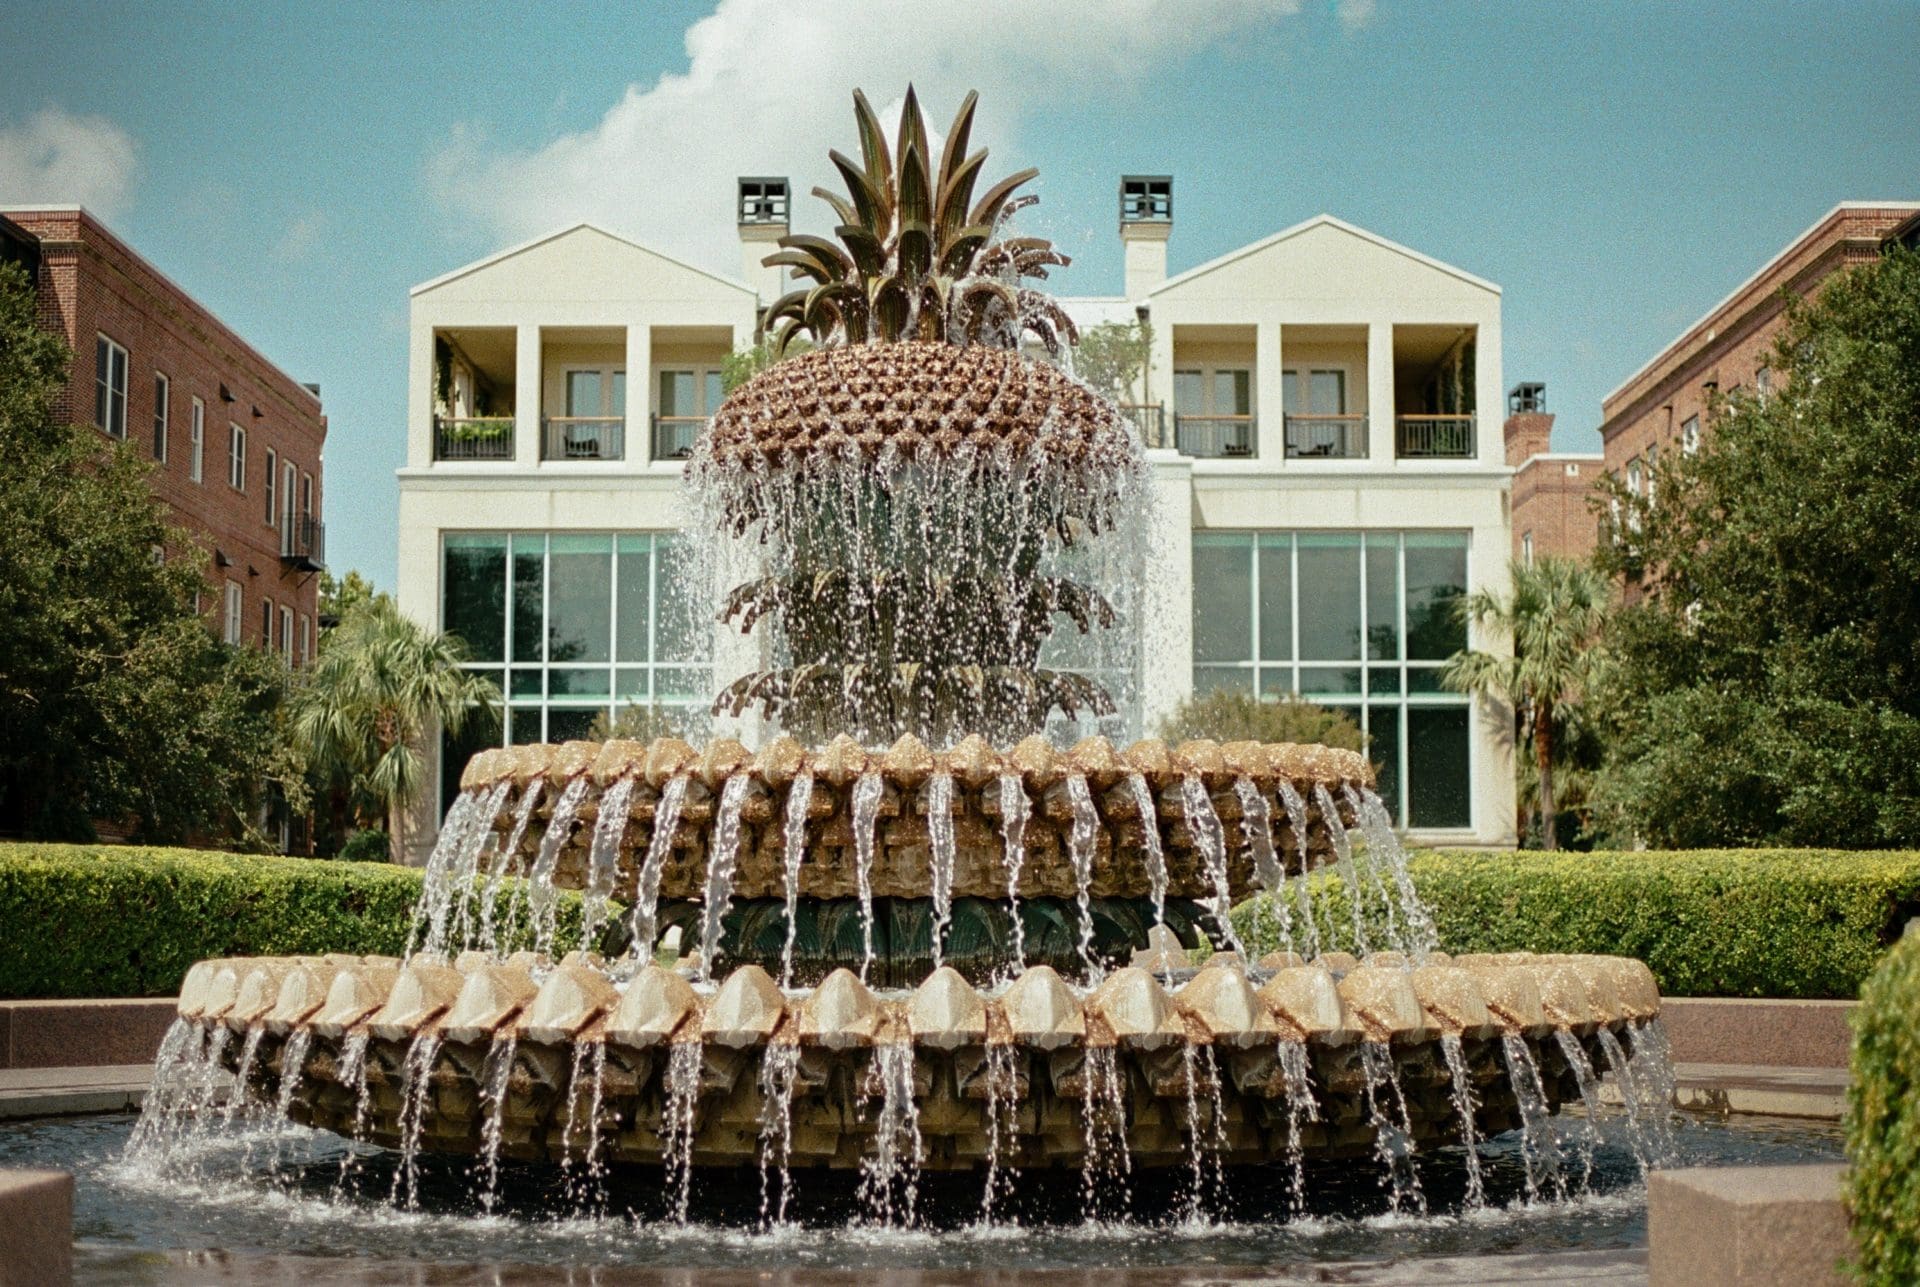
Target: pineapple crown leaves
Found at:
x=916, y=256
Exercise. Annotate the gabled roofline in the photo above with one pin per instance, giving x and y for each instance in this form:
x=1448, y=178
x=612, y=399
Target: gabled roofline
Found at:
x=1331, y=221
x=1746, y=285
x=588, y=225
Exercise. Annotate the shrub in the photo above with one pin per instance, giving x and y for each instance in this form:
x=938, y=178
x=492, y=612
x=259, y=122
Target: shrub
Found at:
x=108, y=921
x=369, y=845
x=1735, y=923
x=1883, y=1120
x=1226, y=715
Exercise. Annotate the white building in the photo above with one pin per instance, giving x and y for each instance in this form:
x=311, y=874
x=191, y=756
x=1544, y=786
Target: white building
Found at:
x=1328, y=482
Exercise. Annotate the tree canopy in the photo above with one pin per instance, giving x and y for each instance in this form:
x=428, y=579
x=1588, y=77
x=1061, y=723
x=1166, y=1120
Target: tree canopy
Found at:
x=1765, y=687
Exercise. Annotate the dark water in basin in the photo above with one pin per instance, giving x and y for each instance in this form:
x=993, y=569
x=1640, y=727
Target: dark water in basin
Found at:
x=235, y=1197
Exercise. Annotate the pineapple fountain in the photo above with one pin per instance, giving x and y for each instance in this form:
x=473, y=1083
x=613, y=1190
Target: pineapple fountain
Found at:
x=909, y=932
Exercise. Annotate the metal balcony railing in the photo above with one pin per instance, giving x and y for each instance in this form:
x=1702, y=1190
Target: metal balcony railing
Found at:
x=1150, y=419
x=583, y=438
x=673, y=436
x=473, y=437
x=1322, y=437
x=303, y=544
x=1210, y=437
x=1435, y=437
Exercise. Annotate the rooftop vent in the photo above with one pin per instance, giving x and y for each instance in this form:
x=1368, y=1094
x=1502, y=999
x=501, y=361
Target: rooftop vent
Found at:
x=1526, y=396
x=1146, y=198
x=763, y=200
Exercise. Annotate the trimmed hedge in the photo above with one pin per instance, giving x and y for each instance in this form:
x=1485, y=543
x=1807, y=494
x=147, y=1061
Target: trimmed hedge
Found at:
x=1726, y=923
x=120, y=921
x=1883, y=1120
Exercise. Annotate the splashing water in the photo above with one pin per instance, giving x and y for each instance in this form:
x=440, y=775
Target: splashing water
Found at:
x=1654, y=1077
x=465, y=887
x=1210, y=838
x=506, y=862
x=1301, y=1107
x=1150, y=836
x=496, y=1074
x=350, y=1070
x=1256, y=828
x=1103, y=1123
x=1015, y=809
x=794, y=837
x=677, y=1130
x=1343, y=861
x=1538, y=1150
x=1003, y=1102
x=1206, y=1130
x=1422, y=937
x=416, y=1090
x=1081, y=838
x=584, y=1085
x=1296, y=807
x=940, y=851
x=890, y=1175
x=241, y=1100
x=1649, y=1126
x=1589, y=1084
x=436, y=883
x=646, y=901
x=866, y=815
x=779, y=1071
x=603, y=857
x=177, y=1069
x=1464, y=1107
x=1392, y=1132
x=723, y=858
x=543, y=896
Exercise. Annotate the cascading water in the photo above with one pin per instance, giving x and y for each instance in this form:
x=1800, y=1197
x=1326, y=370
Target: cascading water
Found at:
x=1081, y=838
x=1003, y=1104
x=646, y=902
x=794, y=841
x=1015, y=809
x=603, y=858
x=1465, y=1107
x=890, y=1174
x=1539, y=1152
x=940, y=853
x=1348, y=869
x=678, y=1114
x=1296, y=806
x=1589, y=1132
x=496, y=1076
x=1156, y=854
x=543, y=896
x=1211, y=839
x=779, y=1071
x=1256, y=829
x=1103, y=1109
x=506, y=863
x=1422, y=938
x=720, y=868
x=416, y=1090
x=1392, y=1127
x=866, y=815
x=1301, y=1109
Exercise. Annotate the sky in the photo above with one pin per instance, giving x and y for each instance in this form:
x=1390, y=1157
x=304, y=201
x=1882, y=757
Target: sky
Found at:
x=1616, y=168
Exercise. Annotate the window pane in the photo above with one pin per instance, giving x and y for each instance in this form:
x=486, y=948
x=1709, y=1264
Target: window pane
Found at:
x=585, y=681
x=1436, y=580
x=580, y=598
x=583, y=393
x=1383, y=680
x=1189, y=395
x=617, y=401
x=527, y=681
x=1329, y=393
x=571, y=725
x=1329, y=597
x=1383, y=748
x=1290, y=393
x=676, y=393
x=1276, y=597
x=1425, y=679
x=1206, y=679
x=632, y=684
x=1232, y=392
x=1383, y=597
x=1222, y=597
x=1277, y=681
x=1343, y=682
x=679, y=618
x=715, y=393
x=1438, y=783
x=635, y=606
x=474, y=594
x=529, y=595
x=678, y=681
x=523, y=725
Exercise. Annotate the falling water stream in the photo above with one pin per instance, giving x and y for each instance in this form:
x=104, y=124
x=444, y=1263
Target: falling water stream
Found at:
x=940, y=852
x=1155, y=854
x=646, y=902
x=1082, y=835
x=866, y=816
x=722, y=860
x=1210, y=838
x=794, y=842
x=1015, y=809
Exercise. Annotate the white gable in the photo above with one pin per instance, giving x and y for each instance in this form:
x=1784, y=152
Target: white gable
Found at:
x=583, y=264
x=1327, y=259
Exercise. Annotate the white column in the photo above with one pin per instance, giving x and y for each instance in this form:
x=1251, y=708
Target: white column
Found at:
x=1269, y=401
x=1160, y=377
x=1166, y=612
x=639, y=393
x=420, y=382
x=1495, y=797
x=528, y=391
x=1380, y=408
x=1488, y=395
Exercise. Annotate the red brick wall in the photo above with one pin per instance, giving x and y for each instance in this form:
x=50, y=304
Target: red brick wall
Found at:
x=92, y=283
x=1550, y=495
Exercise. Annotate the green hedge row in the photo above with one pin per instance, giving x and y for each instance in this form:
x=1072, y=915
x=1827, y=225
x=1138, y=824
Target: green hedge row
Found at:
x=1731, y=923
x=115, y=921
x=1883, y=1121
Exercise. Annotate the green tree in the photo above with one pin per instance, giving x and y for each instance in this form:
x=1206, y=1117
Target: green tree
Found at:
x=1766, y=685
x=743, y=364
x=382, y=685
x=116, y=701
x=339, y=596
x=1552, y=615
x=1112, y=357
x=1228, y=715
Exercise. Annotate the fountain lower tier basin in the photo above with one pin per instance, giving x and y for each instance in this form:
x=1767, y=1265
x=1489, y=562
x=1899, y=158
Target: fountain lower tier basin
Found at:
x=1151, y=820
x=451, y=1056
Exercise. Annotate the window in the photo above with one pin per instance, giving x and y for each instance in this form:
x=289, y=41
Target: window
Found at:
x=1213, y=411
x=1653, y=472
x=110, y=387
x=288, y=512
x=1636, y=476
x=286, y=633
x=306, y=496
x=230, y=630
x=1362, y=622
x=1690, y=435
x=161, y=388
x=1763, y=382
x=273, y=497
x=1315, y=402
x=197, y=442
x=1526, y=548
x=683, y=400
x=571, y=626
x=306, y=639
x=266, y=624
x=236, y=457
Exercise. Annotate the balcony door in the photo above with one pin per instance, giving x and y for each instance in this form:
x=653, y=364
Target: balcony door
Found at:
x=1318, y=422
x=289, y=501
x=1213, y=410
x=596, y=403
x=688, y=395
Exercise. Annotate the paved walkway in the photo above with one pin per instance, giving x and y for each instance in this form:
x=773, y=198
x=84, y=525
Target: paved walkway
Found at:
x=53, y=1092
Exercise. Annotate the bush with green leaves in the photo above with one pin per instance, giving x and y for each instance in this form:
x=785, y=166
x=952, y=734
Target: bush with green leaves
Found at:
x=117, y=921
x=1883, y=1120
x=1727, y=923
x=366, y=846
x=1229, y=715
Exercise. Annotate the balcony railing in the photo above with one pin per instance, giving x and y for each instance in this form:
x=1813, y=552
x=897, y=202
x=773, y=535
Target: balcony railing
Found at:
x=303, y=544
x=583, y=438
x=1318, y=437
x=1209, y=437
x=473, y=437
x=1150, y=419
x=1435, y=437
x=673, y=436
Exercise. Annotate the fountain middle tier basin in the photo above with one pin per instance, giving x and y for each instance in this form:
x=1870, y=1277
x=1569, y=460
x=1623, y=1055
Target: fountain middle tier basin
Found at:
x=1138, y=800
x=528, y=1058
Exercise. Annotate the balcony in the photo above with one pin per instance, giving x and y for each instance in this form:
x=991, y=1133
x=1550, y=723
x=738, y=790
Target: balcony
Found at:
x=473, y=437
x=583, y=438
x=673, y=436
x=1148, y=419
x=1326, y=437
x=1216, y=437
x=1425, y=437
x=303, y=544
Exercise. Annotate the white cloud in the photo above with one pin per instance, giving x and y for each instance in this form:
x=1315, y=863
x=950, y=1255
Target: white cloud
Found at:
x=55, y=157
x=1355, y=14
x=767, y=90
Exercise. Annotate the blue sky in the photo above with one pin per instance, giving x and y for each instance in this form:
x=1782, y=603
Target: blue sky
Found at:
x=1616, y=168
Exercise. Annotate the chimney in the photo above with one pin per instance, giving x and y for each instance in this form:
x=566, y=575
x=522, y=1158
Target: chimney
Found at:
x=1146, y=221
x=762, y=214
x=1529, y=427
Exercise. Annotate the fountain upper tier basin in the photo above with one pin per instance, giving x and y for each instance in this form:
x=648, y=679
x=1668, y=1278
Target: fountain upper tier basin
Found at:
x=1124, y=864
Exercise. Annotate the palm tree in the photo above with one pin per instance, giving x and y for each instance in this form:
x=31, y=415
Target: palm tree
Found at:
x=1553, y=616
x=379, y=687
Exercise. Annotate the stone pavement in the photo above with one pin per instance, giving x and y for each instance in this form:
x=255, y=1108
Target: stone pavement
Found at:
x=54, y=1092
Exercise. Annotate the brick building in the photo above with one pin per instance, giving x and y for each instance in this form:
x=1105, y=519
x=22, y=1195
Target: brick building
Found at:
x=235, y=441
x=1666, y=404
x=1551, y=514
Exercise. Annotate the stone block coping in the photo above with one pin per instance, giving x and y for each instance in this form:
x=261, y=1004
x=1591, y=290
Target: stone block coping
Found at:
x=36, y=1228
x=1741, y=1226
x=1758, y=1031
x=82, y=1033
